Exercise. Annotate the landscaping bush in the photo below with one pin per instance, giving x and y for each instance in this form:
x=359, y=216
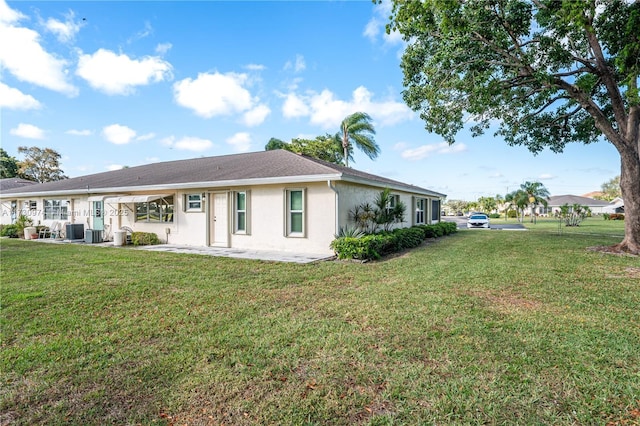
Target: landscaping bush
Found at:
x=374, y=246
x=144, y=238
x=494, y=216
x=10, y=231
x=616, y=216
x=512, y=214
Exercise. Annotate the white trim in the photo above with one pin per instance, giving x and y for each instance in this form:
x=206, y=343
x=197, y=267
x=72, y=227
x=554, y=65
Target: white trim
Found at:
x=135, y=198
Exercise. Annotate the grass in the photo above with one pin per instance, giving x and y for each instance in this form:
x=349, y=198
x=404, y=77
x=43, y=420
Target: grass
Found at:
x=476, y=328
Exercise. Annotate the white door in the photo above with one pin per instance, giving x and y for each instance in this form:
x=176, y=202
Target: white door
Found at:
x=220, y=218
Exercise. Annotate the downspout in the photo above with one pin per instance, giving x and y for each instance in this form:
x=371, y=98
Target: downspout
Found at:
x=335, y=190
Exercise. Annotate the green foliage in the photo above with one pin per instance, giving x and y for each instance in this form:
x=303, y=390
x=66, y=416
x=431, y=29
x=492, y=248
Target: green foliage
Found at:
x=613, y=216
x=374, y=246
x=40, y=164
x=351, y=232
x=357, y=130
x=573, y=215
x=610, y=189
x=512, y=214
x=21, y=223
x=327, y=148
x=10, y=231
x=8, y=165
x=144, y=238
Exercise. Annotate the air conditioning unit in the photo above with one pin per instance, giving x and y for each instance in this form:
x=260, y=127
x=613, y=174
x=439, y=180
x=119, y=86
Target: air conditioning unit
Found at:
x=92, y=236
x=74, y=231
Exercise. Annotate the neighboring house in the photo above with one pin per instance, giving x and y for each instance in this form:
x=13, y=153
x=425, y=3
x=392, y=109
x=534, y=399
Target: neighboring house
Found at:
x=615, y=206
x=271, y=200
x=556, y=201
x=9, y=212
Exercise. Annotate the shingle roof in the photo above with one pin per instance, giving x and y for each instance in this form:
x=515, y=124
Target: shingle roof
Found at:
x=12, y=183
x=277, y=164
x=561, y=200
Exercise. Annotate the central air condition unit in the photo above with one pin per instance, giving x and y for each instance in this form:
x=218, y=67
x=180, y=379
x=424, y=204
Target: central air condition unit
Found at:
x=92, y=236
x=74, y=231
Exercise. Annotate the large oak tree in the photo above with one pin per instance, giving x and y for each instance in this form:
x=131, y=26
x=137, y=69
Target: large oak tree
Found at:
x=550, y=72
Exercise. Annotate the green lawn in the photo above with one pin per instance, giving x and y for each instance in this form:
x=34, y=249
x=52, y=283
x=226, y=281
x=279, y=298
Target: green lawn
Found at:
x=480, y=327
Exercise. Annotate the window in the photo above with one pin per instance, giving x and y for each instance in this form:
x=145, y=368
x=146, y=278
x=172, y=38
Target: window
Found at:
x=56, y=210
x=420, y=205
x=30, y=206
x=241, y=204
x=156, y=211
x=435, y=210
x=393, y=202
x=295, y=212
x=193, y=203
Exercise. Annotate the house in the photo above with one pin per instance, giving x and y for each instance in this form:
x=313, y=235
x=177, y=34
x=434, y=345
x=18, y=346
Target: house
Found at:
x=271, y=200
x=10, y=208
x=557, y=201
x=615, y=206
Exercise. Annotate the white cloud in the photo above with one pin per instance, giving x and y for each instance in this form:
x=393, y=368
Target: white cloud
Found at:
x=376, y=25
x=118, y=74
x=425, y=151
x=294, y=106
x=146, y=137
x=26, y=59
x=400, y=146
x=255, y=67
x=211, y=95
x=188, y=143
x=12, y=98
x=163, y=48
x=8, y=15
x=298, y=65
x=27, y=131
x=256, y=116
x=118, y=134
x=65, y=31
x=76, y=132
x=113, y=167
x=546, y=176
x=325, y=110
x=240, y=141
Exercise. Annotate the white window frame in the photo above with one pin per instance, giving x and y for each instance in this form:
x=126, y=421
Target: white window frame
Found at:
x=55, y=209
x=164, y=210
x=246, y=211
x=420, y=210
x=193, y=205
x=394, y=199
x=289, y=212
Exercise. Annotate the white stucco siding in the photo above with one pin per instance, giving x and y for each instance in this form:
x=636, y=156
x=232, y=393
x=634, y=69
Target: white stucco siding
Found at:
x=268, y=214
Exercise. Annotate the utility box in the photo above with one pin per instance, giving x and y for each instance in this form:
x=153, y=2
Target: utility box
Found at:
x=74, y=231
x=92, y=236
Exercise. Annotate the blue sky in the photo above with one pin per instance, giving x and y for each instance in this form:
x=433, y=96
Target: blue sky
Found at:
x=112, y=84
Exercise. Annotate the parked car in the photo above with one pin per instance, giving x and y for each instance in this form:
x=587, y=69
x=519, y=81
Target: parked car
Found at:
x=478, y=220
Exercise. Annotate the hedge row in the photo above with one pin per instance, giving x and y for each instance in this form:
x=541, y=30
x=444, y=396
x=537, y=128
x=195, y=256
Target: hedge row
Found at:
x=144, y=238
x=374, y=246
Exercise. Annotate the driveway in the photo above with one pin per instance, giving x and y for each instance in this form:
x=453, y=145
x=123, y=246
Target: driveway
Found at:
x=461, y=221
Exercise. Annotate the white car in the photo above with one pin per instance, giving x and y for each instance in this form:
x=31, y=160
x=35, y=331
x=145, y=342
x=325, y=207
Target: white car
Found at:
x=478, y=220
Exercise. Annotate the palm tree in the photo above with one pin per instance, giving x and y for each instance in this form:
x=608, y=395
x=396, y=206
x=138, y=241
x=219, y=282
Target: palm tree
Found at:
x=356, y=129
x=536, y=194
x=517, y=200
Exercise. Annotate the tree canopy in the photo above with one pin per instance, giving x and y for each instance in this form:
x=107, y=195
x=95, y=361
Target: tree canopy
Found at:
x=548, y=72
x=40, y=164
x=357, y=129
x=8, y=165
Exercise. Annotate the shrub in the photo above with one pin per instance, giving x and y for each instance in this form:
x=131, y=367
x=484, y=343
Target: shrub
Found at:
x=616, y=216
x=512, y=214
x=374, y=246
x=10, y=231
x=144, y=238
x=494, y=216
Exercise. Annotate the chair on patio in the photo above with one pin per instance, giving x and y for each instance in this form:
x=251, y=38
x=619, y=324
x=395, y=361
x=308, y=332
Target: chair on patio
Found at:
x=45, y=231
x=55, y=231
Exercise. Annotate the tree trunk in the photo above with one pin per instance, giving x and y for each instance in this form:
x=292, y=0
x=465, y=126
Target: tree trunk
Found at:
x=630, y=186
